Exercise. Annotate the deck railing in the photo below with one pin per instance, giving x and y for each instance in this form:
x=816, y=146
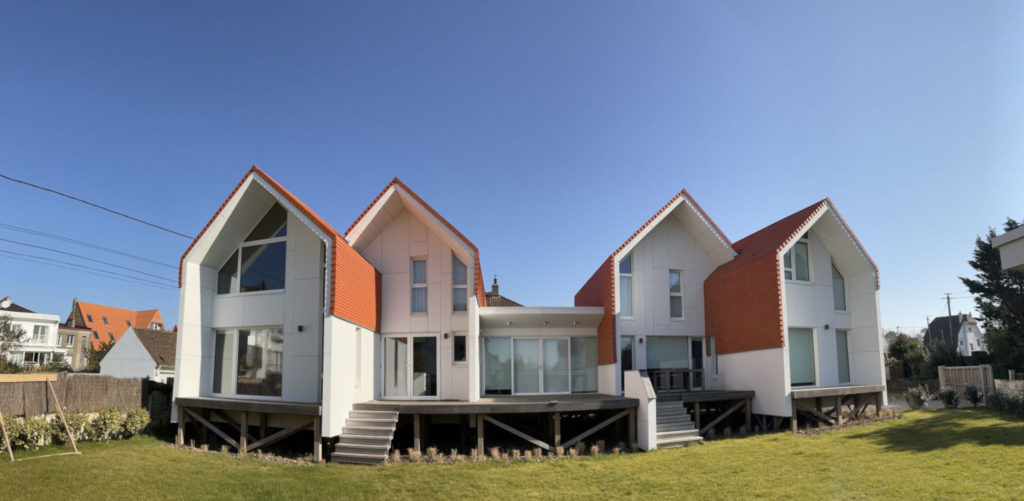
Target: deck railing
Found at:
x=676, y=379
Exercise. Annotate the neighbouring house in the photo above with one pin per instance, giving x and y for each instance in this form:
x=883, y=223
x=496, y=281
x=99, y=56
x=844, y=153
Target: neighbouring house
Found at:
x=39, y=343
x=108, y=323
x=73, y=340
x=1011, y=249
x=384, y=336
x=960, y=332
x=142, y=353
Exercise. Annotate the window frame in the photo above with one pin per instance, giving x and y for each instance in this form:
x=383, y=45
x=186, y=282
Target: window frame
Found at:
x=413, y=285
x=540, y=365
x=682, y=309
x=835, y=271
x=233, y=333
x=788, y=261
x=465, y=349
x=236, y=254
x=464, y=286
x=39, y=334
x=628, y=275
x=814, y=357
x=70, y=341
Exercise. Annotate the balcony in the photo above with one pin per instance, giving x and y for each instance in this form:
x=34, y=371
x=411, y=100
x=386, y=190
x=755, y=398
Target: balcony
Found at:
x=673, y=380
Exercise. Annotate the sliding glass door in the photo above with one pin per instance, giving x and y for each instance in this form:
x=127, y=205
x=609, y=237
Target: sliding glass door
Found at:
x=410, y=367
x=533, y=366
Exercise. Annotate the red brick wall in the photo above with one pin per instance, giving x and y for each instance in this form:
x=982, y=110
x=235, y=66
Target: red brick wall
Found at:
x=355, y=286
x=743, y=306
x=598, y=291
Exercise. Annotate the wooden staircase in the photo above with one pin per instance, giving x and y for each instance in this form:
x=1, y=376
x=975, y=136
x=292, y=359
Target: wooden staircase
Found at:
x=675, y=428
x=366, y=437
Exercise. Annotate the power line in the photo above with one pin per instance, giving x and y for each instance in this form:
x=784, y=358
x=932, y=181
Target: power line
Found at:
x=79, y=242
x=98, y=206
x=88, y=259
x=30, y=258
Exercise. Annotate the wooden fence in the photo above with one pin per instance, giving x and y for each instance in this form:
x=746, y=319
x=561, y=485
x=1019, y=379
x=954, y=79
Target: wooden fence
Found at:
x=960, y=378
x=85, y=392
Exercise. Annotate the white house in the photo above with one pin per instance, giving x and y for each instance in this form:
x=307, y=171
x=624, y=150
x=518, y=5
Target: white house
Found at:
x=1011, y=248
x=382, y=337
x=141, y=353
x=966, y=337
x=39, y=343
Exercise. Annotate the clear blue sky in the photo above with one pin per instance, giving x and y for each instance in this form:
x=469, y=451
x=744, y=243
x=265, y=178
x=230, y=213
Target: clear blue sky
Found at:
x=546, y=131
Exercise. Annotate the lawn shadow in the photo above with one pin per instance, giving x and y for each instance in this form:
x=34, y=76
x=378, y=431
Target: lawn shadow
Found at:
x=943, y=429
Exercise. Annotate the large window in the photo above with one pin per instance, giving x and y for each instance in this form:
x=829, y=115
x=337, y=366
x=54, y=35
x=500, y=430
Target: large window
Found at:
x=254, y=356
x=419, y=285
x=539, y=365
x=626, y=286
x=801, y=357
x=668, y=352
x=459, y=287
x=259, y=263
x=796, y=261
x=675, y=293
x=838, y=289
x=39, y=334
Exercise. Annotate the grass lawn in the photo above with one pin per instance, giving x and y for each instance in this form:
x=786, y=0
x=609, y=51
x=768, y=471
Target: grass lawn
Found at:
x=927, y=454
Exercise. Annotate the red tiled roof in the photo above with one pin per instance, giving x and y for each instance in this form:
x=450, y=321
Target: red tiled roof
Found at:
x=117, y=320
x=355, y=283
x=600, y=288
x=478, y=281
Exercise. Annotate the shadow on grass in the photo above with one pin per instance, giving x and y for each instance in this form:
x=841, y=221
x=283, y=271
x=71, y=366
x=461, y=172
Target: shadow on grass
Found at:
x=943, y=429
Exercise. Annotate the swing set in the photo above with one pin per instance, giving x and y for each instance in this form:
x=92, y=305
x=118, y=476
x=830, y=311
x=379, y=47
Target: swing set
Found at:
x=30, y=378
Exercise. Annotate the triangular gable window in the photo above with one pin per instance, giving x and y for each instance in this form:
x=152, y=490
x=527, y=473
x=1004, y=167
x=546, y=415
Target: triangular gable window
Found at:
x=259, y=263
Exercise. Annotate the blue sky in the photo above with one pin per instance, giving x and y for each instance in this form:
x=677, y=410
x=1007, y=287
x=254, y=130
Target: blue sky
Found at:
x=546, y=131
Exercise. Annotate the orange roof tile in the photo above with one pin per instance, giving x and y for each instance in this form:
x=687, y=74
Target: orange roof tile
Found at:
x=108, y=320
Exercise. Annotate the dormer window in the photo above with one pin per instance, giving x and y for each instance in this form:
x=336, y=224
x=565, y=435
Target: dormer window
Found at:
x=105, y=322
x=459, y=285
x=259, y=263
x=796, y=262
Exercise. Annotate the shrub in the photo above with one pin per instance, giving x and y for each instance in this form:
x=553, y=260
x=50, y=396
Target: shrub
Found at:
x=973, y=395
x=915, y=397
x=108, y=424
x=950, y=398
x=77, y=423
x=135, y=421
x=15, y=432
x=34, y=433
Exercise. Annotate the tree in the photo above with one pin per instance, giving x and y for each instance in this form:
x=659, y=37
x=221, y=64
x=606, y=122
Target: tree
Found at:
x=999, y=297
x=95, y=356
x=10, y=341
x=911, y=352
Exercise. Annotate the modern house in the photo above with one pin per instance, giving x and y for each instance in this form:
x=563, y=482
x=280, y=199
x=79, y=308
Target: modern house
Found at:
x=108, y=323
x=39, y=343
x=142, y=353
x=384, y=336
x=1011, y=249
x=960, y=332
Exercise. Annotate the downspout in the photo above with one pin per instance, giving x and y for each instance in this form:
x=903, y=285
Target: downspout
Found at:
x=320, y=328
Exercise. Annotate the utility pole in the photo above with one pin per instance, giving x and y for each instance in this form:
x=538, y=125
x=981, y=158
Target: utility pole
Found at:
x=949, y=311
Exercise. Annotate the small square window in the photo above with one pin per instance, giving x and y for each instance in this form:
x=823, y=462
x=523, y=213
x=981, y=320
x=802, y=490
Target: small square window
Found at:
x=460, y=349
x=129, y=322
x=89, y=317
x=105, y=322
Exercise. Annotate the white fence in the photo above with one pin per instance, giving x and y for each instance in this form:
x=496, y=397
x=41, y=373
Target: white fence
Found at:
x=960, y=378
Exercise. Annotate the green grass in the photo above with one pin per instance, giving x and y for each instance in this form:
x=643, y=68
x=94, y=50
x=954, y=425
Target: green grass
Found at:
x=928, y=454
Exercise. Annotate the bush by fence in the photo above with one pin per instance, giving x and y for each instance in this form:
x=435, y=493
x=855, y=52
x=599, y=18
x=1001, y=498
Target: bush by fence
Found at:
x=109, y=424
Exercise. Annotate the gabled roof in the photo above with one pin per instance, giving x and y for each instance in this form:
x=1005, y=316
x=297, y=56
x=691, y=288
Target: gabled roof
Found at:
x=499, y=300
x=117, y=323
x=478, y=281
x=355, y=283
x=15, y=308
x=939, y=329
x=681, y=197
x=160, y=344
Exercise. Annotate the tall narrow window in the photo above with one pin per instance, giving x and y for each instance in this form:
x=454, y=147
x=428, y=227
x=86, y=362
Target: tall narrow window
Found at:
x=838, y=289
x=714, y=355
x=71, y=341
x=796, y=261
x=458, y=285
x=626, y=286
x=459, y=348
x=419, y=285
x=843, y=356
x=584, y=364
x=801, y=356
x=258, y=264
x=675, y=293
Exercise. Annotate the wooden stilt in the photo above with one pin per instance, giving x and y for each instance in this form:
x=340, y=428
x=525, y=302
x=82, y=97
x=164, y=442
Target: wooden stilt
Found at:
x=632, y=427
x=878, y=404
x=243, y=433
x=793, y=419
x=480, y=434
x=263, y=425
x=416, y=432
x=196, y=417
x=696, y=415
x=179, y=439
x=206, y=416
x=558, y=429
x=776, y=423
x=724, y=415
x=839, y=411
x=748, y=415
x=318, y=452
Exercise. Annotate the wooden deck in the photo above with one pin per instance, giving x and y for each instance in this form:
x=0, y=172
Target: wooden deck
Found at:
x=202, y=409
x=247, y=405
x=827, y=406
x=832, y=391
x=519, y=404
x=704, y=396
